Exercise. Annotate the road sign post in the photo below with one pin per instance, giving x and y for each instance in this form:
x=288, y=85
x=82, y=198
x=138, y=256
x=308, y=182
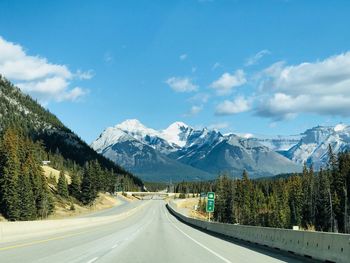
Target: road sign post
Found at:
x=210, y=203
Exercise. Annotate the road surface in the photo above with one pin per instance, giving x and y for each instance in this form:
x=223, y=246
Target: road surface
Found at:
x=150, y=235
x=120, y=208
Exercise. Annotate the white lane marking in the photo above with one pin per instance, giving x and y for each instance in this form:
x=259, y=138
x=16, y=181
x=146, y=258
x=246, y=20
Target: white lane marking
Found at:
x=198, y=243
x=92, y=260
x=117, y=244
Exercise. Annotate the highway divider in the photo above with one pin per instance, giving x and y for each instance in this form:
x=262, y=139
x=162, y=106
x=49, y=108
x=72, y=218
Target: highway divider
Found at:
x=15, y=231
x=330, y=247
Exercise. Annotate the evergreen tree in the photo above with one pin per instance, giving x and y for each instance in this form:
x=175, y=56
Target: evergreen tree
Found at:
x=44, y=202
x=295, y=200
x=308, y=211
x=223, y=200
x=62, y=187
x=9, y=173
x=324, y=217
x=27, y=202
x=247, y=189
x=88, y=187
x=74, y=187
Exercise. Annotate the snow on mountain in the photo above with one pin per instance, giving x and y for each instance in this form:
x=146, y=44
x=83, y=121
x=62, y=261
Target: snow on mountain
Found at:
x=233, y=154
x=187, y=152
x=177, y=133
x=136, y=129
x=339, y=127
x=108, y=137
x=191, y=151
x=145, y=135
x=144, y=151
x=312, y=148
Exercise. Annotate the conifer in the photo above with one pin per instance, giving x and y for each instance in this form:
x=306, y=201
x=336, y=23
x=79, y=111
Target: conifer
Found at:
x=62, y=187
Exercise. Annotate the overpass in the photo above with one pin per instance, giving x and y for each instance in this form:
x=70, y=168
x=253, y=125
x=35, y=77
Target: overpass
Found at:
x=145, y=195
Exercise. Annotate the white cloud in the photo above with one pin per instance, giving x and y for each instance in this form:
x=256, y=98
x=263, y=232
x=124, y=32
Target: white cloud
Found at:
x=179, y=84
x=200, y=97
x=218, y=126
x=216, y=65
x=227, y=82
x=253, y=60
x=183, y=56
x=84, y=74
x=194, y=111
x=74, y=94
x=38, y=77
x=228, y=107
x=322, y=87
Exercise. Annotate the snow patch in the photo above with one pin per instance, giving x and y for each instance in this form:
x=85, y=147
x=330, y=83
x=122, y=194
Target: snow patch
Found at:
x=339, y=127
x=176, y=133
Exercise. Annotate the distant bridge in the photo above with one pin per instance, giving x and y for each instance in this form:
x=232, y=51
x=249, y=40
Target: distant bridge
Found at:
x=142, y=195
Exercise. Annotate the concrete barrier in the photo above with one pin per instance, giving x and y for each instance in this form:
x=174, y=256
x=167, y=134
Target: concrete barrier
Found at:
x=330, y=247
x=15, y=231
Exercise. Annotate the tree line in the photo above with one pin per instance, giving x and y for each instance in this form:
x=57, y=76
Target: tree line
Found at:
x=313, y=201
x=26, y=193
x=89, y=181
x=18, y=109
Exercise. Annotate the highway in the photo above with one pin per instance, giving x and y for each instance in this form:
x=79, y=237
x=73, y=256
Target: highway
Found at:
x=122, y=207
x=151, y=234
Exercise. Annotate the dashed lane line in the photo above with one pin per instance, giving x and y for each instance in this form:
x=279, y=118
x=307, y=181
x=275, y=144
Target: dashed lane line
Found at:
x=92, y=260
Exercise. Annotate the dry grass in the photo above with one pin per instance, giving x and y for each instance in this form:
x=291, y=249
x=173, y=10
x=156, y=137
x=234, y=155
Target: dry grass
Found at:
x=127, y=198
x=189, y=204
x=199, y=215
x=51, y=172
x=63, y=209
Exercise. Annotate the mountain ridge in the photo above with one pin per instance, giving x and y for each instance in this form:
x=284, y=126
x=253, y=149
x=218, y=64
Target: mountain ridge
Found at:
x=42, y=125
x=189, y=148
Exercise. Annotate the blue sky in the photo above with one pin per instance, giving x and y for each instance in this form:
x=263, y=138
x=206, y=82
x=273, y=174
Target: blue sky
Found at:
x=260, y=67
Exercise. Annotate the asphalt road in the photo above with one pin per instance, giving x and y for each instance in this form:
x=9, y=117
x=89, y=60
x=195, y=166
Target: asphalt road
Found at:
x=150, y=235
x=122, y=207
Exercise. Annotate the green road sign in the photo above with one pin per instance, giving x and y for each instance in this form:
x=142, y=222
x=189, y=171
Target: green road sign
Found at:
x=211, y=195
x=210, y=205
x=203, y=194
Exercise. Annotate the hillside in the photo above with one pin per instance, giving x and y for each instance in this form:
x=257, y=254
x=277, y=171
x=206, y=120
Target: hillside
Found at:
x=40, y=124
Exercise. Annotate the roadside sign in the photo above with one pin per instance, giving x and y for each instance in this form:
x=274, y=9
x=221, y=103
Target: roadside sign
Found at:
x=203, y=194
x=210, y=205
x=211, y=195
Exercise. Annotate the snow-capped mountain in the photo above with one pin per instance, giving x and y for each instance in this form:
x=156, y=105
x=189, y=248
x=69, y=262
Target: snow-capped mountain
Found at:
x=313, y=146
x=177, y=134
x=185, y=152
x=166, y=141
x=182, y=152
x=145, y=152
x=233, y=154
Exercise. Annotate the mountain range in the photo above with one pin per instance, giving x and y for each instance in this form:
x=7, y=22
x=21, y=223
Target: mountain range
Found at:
x=181, y=152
